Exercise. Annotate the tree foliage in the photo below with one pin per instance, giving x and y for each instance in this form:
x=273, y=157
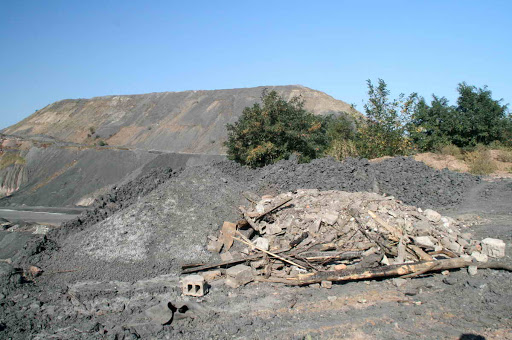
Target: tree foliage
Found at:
x=274, y=130
x=476, y=119
x=383, y=133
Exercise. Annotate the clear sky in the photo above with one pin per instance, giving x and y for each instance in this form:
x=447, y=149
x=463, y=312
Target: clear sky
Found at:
x=53, y=50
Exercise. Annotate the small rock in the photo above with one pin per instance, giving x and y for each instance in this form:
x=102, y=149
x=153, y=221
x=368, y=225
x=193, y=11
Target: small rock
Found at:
x=211, y=275
x=432, y=215
x=424, y=241
x=340, y=267
x=262, y=243
x=361, y=300
x=493, y=247
x=315, y=285
x=326, y=284
x=330, y=218
x=479, y=256
x=445, y=272
x=227, y=256
x=332, y=298
x=398, y=282
x=472, y=270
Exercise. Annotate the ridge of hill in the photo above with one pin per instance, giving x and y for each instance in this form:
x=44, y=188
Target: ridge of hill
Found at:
x=189, y=121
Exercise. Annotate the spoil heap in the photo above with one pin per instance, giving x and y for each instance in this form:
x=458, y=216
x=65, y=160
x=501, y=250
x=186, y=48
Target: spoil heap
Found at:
x=334, y=235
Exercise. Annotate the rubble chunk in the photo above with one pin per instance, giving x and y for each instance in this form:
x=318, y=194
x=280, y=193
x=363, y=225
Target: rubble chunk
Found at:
x=432, y=215
x=211, y=275
x=262, y=243
x=424, y=241
x=326, y=284
x=493, y=247
x=239, y=275
x=479, y=256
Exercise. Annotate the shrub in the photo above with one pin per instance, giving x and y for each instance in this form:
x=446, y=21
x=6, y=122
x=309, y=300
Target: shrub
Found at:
x=274, y=130
x=480, y=162
x=450, y=149
x=341, y=149
x=505, y=156
x=383, y=134
x=102, y=143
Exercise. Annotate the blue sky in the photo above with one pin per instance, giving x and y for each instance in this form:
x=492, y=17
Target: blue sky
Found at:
x=53, y=50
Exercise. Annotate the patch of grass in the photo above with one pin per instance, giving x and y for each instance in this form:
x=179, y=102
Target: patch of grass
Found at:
x=341, y=149
x=480, y=162
x=451, y=150
x=505, y=156
x=9, y=158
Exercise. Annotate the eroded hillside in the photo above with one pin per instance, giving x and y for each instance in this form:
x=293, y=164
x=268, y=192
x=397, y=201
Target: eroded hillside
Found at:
x=190, y=121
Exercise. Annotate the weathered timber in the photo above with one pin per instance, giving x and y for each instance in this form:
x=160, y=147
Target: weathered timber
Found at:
x=393, y=271
x=272, y=208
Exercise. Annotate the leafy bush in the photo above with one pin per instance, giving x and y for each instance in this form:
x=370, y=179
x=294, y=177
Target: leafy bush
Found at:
x=383, y=134
x=102, y=143
x=275, y=130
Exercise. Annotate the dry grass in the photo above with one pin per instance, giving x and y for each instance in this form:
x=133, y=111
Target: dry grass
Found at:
x=9, y=158
x=341, y=149
x=451, y=150
x=480, y=162
x=505, y=156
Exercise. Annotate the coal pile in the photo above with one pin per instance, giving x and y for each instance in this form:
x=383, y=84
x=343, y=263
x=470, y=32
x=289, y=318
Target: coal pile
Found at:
x=118, y=198
x=408, y=180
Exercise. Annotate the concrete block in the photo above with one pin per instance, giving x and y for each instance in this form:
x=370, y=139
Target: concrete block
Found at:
x=239, y=275
x=193, y=285
x=493, y=247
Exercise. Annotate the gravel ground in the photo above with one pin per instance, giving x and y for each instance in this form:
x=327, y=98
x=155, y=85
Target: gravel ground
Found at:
x=128, y=262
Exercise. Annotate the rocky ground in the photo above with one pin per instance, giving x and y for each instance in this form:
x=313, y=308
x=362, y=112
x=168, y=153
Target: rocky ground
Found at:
x=118, y=276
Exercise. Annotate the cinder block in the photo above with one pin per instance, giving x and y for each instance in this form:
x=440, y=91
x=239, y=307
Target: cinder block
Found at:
x=194, y=285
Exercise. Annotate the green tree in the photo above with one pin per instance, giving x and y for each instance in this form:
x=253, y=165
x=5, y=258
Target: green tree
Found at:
x=384, y=133
x=476, y=119
x=274, y=130
x=482, y=119
x=432, y=126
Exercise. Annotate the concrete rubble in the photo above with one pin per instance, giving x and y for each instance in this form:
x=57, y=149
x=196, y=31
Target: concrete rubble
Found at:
x=311, y=232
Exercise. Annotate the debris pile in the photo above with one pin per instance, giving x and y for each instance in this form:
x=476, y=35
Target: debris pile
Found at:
x=311, y=236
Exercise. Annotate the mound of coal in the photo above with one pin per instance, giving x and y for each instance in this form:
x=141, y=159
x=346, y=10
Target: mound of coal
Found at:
x=162, y=230
x=420, y=185
x=118, y=198
x=410, y=181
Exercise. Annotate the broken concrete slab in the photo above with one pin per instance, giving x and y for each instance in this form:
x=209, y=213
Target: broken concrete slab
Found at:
x=239, y=275
x=493, y=247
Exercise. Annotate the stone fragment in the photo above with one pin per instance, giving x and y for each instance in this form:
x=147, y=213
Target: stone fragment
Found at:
x=239, y=275
x=472, y=270
x=479, y=256
x=262, y=243
x=330, y=218
x=432, y=215
x=193, y=285
x=226, y=256
x=332, y=298
x=493, y=247
x=340, y=266
x=211, y=275
x=398, y=282
x=326, y=284
x=258, y=264
x=213, y=246
x=424, y=241
x=274, y=229
x=160, y=314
